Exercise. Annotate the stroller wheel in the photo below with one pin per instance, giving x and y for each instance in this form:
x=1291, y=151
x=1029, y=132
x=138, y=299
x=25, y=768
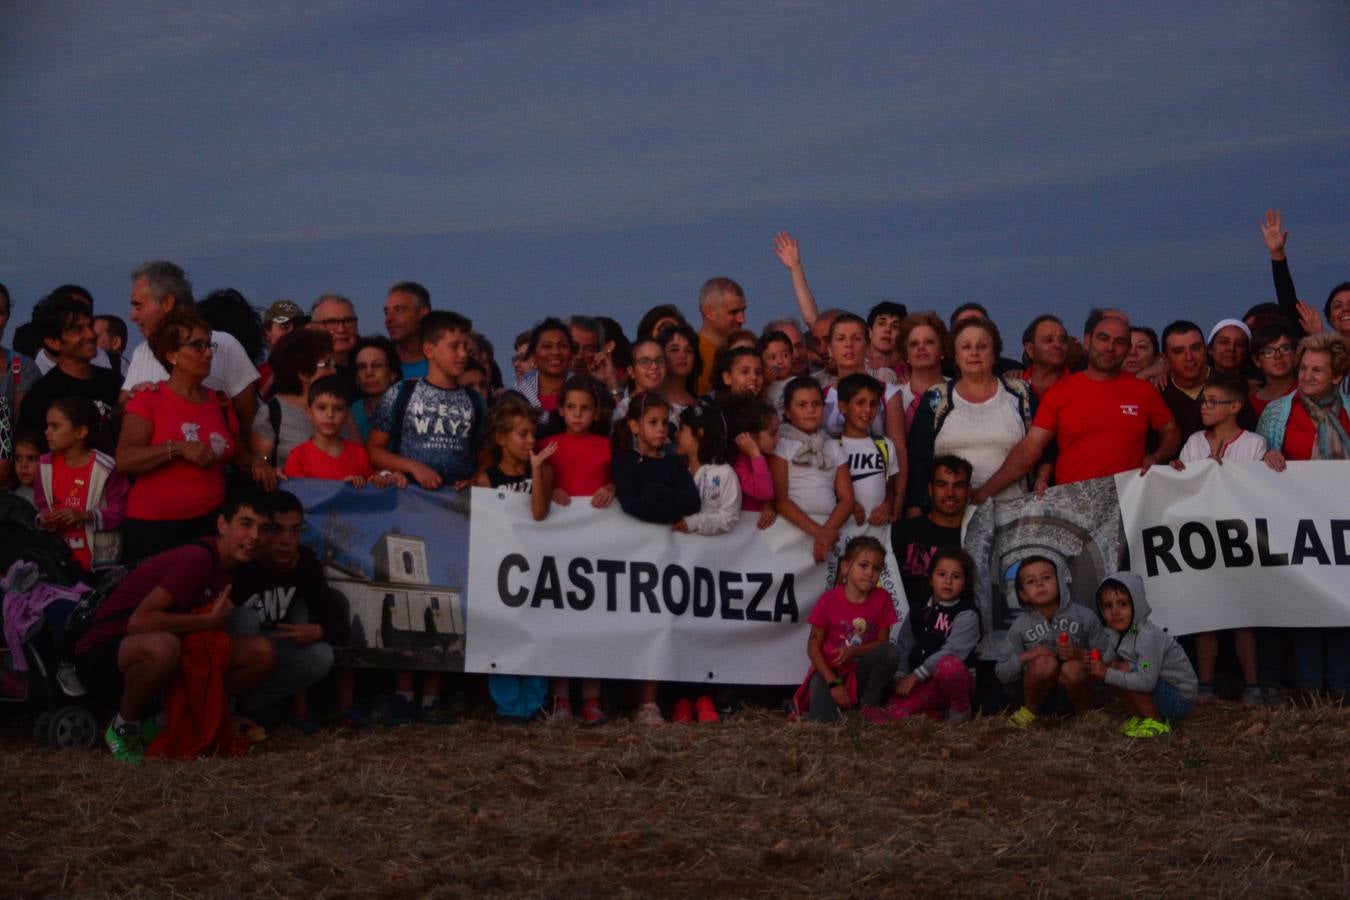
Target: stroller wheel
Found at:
x=73, y=728
x=42, y=727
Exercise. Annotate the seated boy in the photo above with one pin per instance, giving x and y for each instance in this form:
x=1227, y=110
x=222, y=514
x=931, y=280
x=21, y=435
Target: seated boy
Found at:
x=1049, y=643
x=1221, y=399
x=327, y=455
x=1151, y=674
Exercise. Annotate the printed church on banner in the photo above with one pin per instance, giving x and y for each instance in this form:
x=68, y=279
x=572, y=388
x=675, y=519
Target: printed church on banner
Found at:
x=398, y=620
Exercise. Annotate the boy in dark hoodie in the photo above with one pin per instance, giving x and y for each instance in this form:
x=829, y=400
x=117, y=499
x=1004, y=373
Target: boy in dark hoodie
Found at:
x=1049, y=643
x=1151, y=674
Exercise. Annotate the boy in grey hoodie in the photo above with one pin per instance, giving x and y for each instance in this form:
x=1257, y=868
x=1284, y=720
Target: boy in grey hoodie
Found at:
x=1151, y=674
x=1049, y=643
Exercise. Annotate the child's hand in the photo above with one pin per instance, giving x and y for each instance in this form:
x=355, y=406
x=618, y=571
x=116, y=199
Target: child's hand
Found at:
x=745, y=442
x=462, y=484
x=681, y=526
x=767, y=516
x=355, y=481
x=385, y=479
x=1178, y=464
x=906, y=684
x=1098, y=669
x=601, y=498
x=841, y=697
x=880, y=516
x=1067, y=653
x=537, y=459
x=1038, y=650
x=561, y=497
x=820, y=551
x=426, y=476
x=859, y=513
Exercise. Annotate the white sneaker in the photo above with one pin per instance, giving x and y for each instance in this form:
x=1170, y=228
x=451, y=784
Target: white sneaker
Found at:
x=69, y=681
x=649, y=714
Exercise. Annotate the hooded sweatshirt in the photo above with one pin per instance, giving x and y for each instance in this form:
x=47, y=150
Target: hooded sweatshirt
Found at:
x=1031, y=629
x=1151, y=652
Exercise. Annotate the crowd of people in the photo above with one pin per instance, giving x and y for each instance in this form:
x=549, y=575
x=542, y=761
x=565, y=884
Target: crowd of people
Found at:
x=173, y=458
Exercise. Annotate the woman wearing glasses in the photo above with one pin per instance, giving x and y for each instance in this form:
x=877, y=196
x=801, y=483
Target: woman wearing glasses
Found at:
x=177, y=436
x=1273, y=350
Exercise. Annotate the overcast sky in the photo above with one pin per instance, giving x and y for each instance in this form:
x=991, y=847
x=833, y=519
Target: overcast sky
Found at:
x=530, y=159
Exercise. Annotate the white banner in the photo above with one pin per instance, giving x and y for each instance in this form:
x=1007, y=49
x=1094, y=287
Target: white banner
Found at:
x=596, y=593
x=1239, y=545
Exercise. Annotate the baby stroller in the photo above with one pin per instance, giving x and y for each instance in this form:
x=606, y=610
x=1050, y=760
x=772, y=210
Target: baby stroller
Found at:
x=40, y=681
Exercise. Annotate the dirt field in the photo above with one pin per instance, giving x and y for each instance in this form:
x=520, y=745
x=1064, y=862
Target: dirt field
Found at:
x=1237, y=803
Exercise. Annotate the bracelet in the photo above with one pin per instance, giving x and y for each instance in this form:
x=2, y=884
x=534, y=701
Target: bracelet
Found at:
x=838, y=682
x=169, y=446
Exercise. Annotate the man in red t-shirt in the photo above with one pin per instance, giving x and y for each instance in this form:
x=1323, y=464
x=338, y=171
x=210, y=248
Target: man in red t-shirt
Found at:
x=1100, y=418
x=134, y=635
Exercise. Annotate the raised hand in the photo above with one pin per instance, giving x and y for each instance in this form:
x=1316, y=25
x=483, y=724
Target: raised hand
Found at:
x=785, y=245
x=1272, y=229
x=745, y=442
x=1309, y=318
x=537, y=459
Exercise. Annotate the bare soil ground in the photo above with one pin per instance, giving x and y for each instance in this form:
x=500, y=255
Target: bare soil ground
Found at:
x=1237, y=802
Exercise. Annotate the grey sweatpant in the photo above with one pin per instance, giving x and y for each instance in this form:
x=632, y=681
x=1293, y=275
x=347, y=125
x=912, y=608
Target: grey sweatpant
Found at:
x=876, y=671
x=296, y=668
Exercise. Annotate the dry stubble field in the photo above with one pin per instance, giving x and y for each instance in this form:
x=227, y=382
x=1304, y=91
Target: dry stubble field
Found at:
x=1238, y=802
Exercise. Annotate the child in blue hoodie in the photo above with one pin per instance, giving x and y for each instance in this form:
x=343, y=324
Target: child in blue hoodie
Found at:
x=1151, y=674
x=1049, y=643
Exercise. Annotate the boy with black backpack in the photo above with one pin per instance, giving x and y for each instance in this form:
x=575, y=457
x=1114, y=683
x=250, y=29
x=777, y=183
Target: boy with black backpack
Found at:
x=430, y=428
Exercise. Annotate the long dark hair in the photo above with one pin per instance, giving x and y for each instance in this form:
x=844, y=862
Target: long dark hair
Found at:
x=709, y=426
x=638, y=405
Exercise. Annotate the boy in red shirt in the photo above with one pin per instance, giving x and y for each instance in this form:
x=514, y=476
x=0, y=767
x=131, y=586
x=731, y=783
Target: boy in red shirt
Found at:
x=327, y=454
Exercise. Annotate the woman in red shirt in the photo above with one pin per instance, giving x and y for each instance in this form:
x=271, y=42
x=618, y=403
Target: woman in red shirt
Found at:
x=176, y=440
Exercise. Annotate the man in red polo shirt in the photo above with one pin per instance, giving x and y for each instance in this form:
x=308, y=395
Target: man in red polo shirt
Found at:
x=1100, y=417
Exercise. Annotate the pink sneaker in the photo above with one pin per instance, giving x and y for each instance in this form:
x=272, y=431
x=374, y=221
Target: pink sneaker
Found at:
x=875, y=715
x=592, y=713
x=706, y=711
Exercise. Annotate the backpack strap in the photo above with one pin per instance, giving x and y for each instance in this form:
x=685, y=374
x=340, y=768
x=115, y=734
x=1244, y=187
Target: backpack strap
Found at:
x=401, y=401
x=274, y=419
x=885, y=449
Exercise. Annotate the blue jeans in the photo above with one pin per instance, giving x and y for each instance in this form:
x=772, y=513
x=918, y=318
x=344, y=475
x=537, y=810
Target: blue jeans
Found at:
x=1173, y=706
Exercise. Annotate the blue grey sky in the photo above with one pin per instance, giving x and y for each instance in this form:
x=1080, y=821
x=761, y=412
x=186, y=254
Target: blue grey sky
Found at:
x=528, y=159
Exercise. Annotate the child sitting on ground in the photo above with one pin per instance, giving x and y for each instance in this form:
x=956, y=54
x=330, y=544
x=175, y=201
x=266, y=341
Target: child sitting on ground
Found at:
x=1221, y=399
x=811, y=483
x=327, y=455
x=1151, y=674
x=1049, y=643
x=853, y=661
x=936, y=645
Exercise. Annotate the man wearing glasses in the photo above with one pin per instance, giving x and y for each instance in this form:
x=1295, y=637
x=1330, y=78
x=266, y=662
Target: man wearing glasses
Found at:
x=336, y=315
x=283, y=595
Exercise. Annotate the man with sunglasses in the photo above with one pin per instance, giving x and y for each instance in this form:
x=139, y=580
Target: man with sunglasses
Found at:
x=283, y=595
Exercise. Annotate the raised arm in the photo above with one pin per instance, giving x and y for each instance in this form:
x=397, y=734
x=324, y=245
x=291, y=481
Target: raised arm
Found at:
x=1272, y=230
x=785, y=245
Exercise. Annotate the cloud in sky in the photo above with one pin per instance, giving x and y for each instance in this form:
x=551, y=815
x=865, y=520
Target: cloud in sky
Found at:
x=613, y=156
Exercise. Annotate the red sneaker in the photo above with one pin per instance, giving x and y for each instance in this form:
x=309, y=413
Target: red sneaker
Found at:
x=592, y=713
x=683, y=713
x=705, y=710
